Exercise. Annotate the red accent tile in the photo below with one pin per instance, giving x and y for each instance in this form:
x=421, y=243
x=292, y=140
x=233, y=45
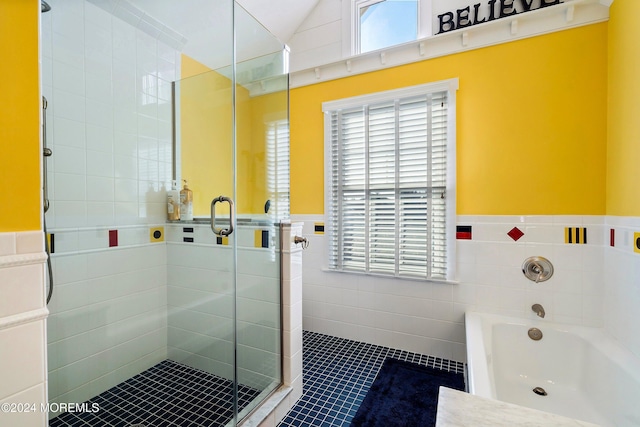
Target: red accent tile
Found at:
x=463, y=232
x=612, y=237
x=515, y=233
x=113, y=238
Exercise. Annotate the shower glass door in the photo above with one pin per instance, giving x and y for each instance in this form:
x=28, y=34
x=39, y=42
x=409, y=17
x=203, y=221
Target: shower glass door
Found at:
x=262, y=200
x=201, y=267
x=232, y=134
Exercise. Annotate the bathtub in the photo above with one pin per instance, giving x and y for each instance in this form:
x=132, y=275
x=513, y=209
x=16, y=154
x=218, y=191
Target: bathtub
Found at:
x=586, y=375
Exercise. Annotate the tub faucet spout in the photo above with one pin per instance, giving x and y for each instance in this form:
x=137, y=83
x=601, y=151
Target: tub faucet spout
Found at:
x=538, y=309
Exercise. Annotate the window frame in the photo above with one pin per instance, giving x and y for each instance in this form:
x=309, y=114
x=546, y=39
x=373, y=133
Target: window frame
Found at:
x=351, y=15
x=451, y=87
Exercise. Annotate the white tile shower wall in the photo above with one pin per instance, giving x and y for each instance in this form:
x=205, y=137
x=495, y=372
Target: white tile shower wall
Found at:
x=108, y=318
x=622, y=291
x=201, y=300
x=109, y=127
x=22, y=327
x=109, y=116
x=429, y=317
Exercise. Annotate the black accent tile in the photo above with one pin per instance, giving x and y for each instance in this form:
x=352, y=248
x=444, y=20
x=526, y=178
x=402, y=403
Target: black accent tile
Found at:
x=167, y=394
x=337, y=375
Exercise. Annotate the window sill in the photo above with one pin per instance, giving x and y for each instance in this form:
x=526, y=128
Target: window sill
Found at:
x=386, y=276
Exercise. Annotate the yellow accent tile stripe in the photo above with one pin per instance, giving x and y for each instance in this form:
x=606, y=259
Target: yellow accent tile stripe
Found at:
x=575, y=235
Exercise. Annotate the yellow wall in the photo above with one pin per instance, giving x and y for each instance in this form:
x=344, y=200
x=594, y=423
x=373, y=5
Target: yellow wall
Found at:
x=206, y=137
x=623, y=154
x=531, y=133
x=531, y=124
x=206, y=133
x=19, y=116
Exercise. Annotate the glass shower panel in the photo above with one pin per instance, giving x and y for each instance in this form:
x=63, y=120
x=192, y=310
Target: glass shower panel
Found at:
x=142, y=93
x=200, y=265
x=262, y=195
x=201, y=285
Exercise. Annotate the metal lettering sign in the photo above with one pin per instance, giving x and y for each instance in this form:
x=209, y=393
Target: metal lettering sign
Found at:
x=489, y=11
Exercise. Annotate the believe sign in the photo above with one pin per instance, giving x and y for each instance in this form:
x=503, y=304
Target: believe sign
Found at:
x=489, y=11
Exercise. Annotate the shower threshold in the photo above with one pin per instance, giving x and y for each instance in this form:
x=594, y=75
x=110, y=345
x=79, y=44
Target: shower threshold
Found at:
x=167, y=394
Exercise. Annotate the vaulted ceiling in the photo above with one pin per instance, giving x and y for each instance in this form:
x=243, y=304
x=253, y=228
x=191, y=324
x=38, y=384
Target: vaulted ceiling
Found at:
x=280, y=17
x=203, y=25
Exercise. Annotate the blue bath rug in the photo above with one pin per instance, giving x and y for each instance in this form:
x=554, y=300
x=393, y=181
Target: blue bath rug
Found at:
x=404, y=394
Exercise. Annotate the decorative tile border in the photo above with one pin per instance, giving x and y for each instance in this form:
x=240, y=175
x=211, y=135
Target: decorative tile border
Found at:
x=71, y=241
x=546, y=229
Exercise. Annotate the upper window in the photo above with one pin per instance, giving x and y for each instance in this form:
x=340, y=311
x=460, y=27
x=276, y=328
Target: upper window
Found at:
x=390, y=202
x=384, y=23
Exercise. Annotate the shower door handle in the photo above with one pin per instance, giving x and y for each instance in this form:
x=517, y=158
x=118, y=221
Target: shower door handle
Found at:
x=222, y=232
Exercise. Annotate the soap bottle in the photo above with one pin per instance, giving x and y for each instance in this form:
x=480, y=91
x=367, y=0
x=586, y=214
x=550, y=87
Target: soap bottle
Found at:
x=186, y=203
x=173, y=202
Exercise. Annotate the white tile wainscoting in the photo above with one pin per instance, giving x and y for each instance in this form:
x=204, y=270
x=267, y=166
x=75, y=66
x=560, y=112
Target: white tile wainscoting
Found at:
x=22, y=329
x=594, y=284
x=622, y=284
x=119, y=310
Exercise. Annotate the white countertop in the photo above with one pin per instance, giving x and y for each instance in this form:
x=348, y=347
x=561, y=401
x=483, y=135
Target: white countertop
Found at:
x=459, y=409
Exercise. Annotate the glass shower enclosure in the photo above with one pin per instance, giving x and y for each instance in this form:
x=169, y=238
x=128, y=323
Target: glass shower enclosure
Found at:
x=155, y=320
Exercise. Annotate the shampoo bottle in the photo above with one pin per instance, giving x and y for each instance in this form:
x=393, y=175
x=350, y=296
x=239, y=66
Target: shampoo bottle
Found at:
x=186, y=203
x=173, y=202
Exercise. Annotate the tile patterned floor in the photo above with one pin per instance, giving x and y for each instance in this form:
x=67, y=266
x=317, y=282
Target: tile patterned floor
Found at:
x=167, y=394
x=337, y=374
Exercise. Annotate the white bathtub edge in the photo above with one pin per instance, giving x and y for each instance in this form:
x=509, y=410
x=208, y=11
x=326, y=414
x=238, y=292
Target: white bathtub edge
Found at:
x=478, y=375
x=619, y=368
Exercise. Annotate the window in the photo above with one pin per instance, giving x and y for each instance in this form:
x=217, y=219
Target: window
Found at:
x=390, y=201
x=384, y=23
x=377, y=24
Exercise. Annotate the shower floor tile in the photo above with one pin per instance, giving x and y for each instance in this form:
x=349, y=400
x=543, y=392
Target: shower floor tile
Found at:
x=167, y=394
x=337, y=374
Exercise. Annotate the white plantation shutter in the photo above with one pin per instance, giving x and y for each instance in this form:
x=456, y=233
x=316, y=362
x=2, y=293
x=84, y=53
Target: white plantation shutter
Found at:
x=387, y=206
x=278, y=168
